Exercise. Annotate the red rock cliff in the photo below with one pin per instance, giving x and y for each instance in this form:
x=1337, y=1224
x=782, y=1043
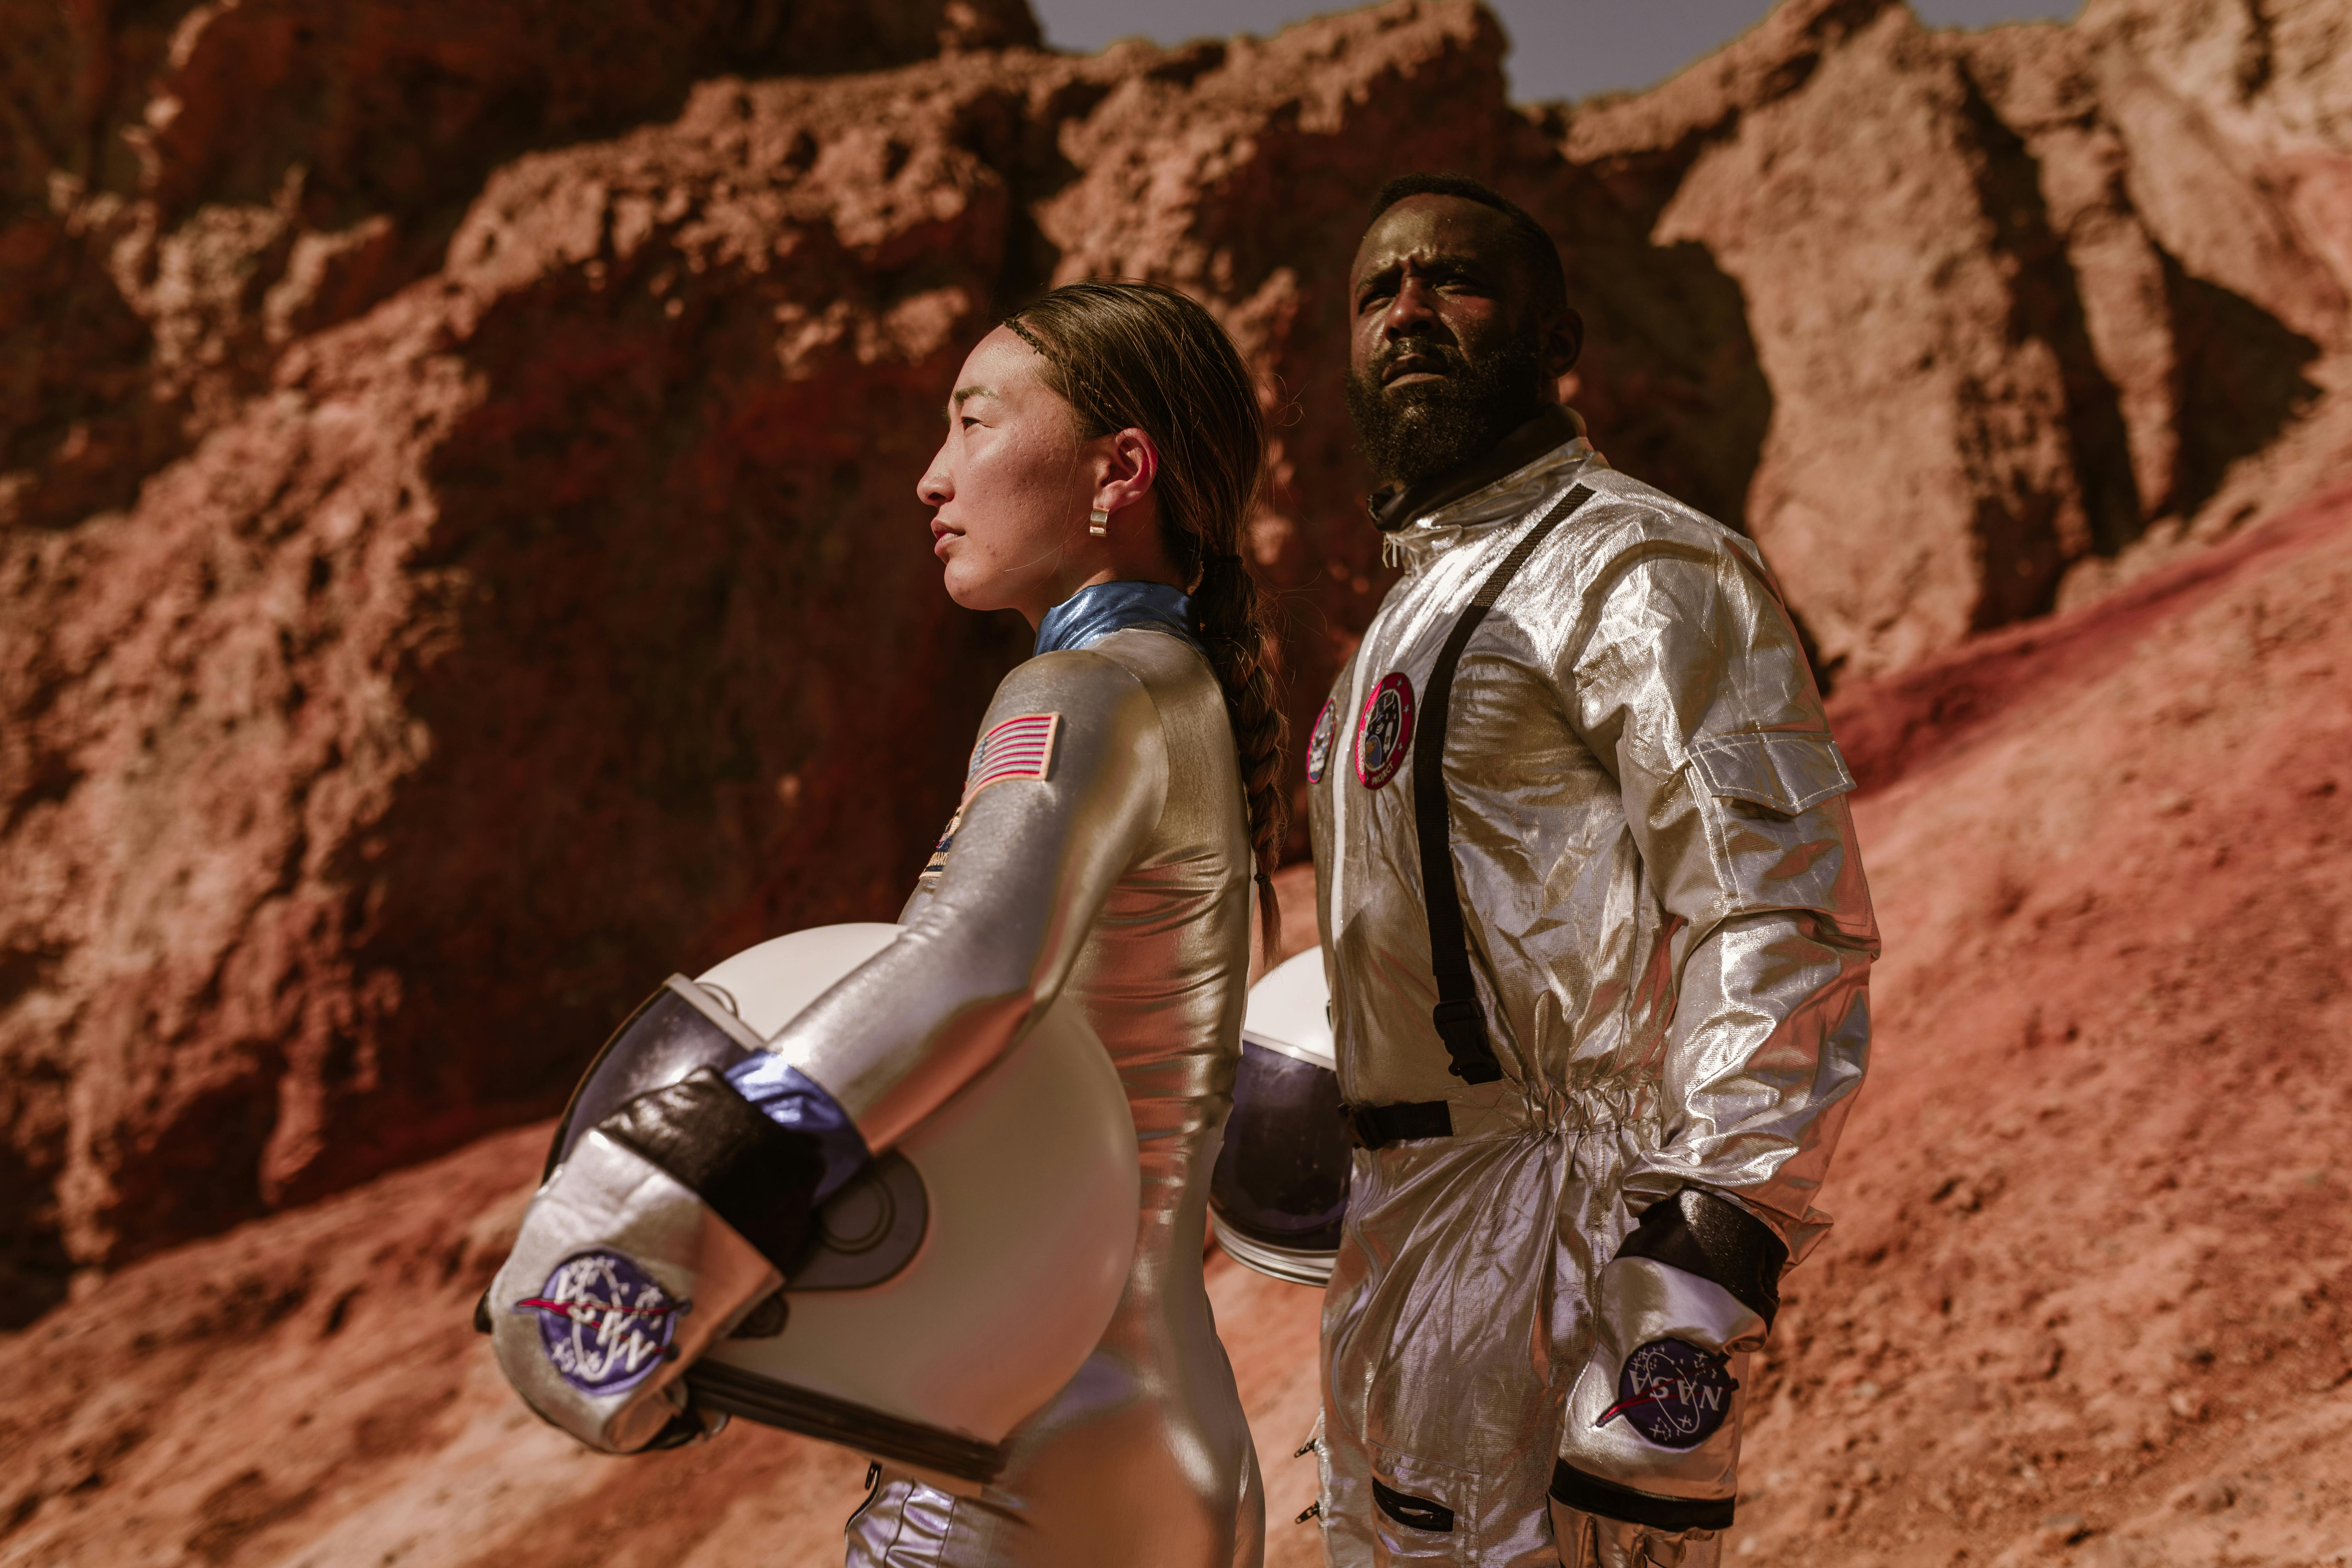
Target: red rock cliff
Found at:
x=459, y=554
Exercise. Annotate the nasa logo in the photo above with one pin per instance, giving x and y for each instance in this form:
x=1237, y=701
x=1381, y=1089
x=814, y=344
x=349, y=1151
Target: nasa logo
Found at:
x=1673, y=1393
x=604, y=1323
x=1384, y=730
x=939, y=861
x=1318, y=745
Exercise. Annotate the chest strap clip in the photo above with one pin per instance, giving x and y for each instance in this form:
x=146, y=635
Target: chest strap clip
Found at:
x=1464, y=1030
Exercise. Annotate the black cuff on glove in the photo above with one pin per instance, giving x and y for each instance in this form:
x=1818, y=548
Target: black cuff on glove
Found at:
x=1591, y=1494
x=1715, y=1239
x=758, y=1177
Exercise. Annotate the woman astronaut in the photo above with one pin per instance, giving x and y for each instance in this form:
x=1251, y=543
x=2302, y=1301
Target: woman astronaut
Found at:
x=1102, y=449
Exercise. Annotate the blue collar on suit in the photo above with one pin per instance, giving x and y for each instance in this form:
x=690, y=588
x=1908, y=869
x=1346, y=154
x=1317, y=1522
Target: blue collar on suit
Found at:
x=1092, y=613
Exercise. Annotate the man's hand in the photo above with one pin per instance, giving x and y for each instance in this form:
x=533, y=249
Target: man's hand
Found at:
x=1588, y=1540
x=1649, y=1451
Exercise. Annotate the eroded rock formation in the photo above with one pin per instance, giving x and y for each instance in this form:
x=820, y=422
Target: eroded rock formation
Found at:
x=2089, y=1283
x=458, y=553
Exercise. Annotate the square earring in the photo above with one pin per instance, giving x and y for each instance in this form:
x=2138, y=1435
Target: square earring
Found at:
x=1096, y=519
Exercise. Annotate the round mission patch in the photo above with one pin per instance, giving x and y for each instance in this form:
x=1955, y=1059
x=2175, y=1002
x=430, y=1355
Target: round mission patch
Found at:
x=1384, y=730
x=1318, y=745
x=603, y=1321
x=1673, y=1393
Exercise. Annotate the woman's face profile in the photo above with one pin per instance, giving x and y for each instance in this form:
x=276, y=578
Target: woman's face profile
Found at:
x=1010, y=486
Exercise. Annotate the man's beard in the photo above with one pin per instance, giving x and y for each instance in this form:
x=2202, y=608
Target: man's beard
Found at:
x=1409, y=432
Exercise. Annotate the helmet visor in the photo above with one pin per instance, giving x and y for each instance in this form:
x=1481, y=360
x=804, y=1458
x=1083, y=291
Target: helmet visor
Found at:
x=682, y=1026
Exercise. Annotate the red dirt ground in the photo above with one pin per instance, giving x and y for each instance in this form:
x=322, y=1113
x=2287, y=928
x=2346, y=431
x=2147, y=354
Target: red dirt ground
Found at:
x=2086, y=1301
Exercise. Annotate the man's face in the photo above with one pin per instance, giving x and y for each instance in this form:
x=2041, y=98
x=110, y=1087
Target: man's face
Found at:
x=1451, y=348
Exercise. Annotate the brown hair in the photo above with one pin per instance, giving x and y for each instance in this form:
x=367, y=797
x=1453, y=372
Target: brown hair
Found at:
x=1139, y=356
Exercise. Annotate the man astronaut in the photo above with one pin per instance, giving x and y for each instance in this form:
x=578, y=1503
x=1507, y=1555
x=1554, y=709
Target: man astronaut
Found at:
x=1598, y=941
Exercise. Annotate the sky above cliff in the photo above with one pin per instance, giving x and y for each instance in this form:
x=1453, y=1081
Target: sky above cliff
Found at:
x=1561, y=49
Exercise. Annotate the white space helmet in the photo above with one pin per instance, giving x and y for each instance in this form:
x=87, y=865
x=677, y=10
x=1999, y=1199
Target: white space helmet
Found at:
x=951, y=1289
x=1280, y=1187
x=962, y=1280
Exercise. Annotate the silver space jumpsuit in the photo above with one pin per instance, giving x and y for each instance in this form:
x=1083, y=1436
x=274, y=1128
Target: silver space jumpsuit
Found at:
x=1121, y=876
x=1670, y=939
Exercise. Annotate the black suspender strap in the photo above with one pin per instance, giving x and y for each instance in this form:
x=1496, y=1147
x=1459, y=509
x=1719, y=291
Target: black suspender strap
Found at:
x=1459, y=1023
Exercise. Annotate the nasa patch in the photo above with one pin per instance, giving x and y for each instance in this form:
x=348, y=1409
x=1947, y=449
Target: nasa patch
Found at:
x=1673, y=1393
x=1384, y=730
x=939, y=861
x=1318, y=745
x=603, y=1321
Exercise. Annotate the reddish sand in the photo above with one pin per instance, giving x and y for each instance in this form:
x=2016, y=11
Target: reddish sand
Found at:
x=2087, y=1298
x=2089, y=1283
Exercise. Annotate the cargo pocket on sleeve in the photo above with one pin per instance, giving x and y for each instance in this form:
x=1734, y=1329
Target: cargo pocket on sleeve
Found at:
x=1770, y=802
x=1784, y=774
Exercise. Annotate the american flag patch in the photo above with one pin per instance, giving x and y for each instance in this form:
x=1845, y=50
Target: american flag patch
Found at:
x=1019, y=748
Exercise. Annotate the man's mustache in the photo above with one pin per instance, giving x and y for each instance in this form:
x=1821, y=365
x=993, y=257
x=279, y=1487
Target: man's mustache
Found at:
x=1447, y=355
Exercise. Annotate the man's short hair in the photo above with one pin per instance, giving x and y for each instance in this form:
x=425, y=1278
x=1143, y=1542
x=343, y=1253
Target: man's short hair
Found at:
x=1534, y=246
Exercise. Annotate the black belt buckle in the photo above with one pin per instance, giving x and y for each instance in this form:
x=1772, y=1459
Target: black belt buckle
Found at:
x=1376, y=1126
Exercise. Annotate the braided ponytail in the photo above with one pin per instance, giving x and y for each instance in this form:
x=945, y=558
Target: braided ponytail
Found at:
x=1240, y=645
x=1157, y=362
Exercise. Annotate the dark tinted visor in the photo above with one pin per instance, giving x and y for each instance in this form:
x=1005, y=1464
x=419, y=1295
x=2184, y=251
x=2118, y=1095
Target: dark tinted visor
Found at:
x=1282, y=1176
x=682, y=1026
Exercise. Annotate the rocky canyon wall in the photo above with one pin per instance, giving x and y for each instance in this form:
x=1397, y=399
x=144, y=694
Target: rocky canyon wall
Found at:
x=459, y=558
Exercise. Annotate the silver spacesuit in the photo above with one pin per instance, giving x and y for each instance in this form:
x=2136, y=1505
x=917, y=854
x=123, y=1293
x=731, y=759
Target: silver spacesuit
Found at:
x=1669, y=937
x=1100, y=854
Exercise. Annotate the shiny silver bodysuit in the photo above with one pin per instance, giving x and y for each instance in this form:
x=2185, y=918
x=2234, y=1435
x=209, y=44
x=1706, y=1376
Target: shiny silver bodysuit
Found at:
x=1122, y=879
x=1669, y=937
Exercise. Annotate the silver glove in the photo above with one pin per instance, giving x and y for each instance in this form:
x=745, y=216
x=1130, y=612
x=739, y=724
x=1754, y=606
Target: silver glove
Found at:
x=622, y=1276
